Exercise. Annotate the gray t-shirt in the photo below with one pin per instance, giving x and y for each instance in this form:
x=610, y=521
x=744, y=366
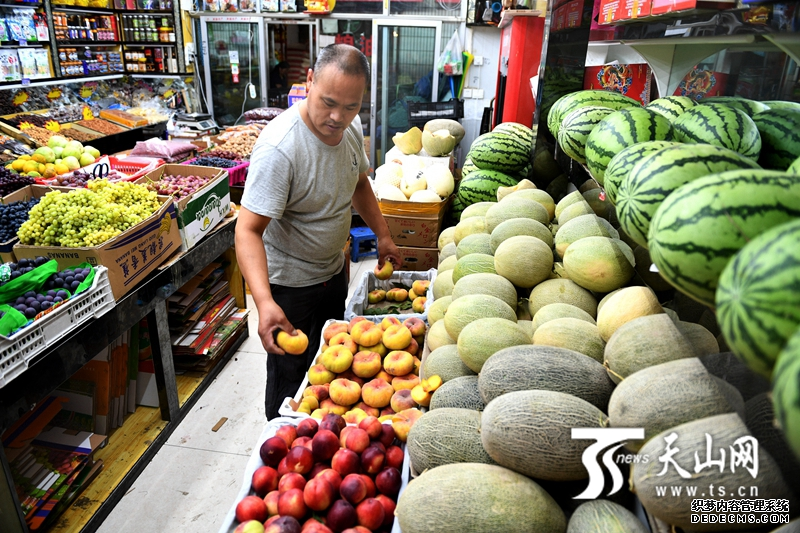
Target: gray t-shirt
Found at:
x=305, y=187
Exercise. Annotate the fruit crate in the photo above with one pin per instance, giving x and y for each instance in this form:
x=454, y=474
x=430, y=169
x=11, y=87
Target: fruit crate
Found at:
x=17, y=350
x=229, y=523
x=236, y=175
x=358, y=303
x=132, y=167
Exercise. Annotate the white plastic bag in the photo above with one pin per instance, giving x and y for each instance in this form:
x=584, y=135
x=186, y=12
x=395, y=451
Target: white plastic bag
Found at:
x=451, y=62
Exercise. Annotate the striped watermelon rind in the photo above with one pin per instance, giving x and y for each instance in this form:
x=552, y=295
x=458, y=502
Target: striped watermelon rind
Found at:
x=786, y=393
x=658, y=174
x=719, y=125
x=621, y=165
x=480, y=186
x=620, y=130
x=671, y=107
x=468, y=168
x=749, y=107
x=499, y=151
x=758, y=294
x=568, y=103
x=576, y=127
x=781, y=104
x=522, y=132
x=794, y=168
x=701, y=225
x=780, y=137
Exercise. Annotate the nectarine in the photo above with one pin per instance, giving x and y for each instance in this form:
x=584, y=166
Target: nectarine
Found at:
x=292, y=344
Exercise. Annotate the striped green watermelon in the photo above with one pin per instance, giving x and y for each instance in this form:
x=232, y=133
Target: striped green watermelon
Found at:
x=499, y=151
x=658, y=174
x=780, y=137
x=468, y=167
x=621, y=165
x=566, y=104
x=620, y=130
x=522, y=132
x=781, y=104
x=786, y=393
x=701, y=225
x=525, y=173
x=480, y=186
x=576, y=127
x=749, y=107
x=794, y=168
x=720, y=125
x=758, y=297
x=671, y=107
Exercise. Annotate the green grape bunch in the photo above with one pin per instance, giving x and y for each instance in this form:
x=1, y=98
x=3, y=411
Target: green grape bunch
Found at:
x=87, y=217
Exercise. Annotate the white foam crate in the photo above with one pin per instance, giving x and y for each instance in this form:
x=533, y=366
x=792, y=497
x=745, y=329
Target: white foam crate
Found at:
x=370, y=283
x=229, y=524
x=17, y=350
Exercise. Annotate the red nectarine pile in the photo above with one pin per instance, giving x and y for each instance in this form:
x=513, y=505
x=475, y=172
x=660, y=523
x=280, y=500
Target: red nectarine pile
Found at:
x=325, y=477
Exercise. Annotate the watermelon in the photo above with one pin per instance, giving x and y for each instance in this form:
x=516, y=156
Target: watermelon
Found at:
x=720, y=125
x=622, y=129
x=468, y=168
x=700, y=226
x=749, y=107
x=621, y=164
x=522, y=132
x=794, y=168
x=660, y=173
x=785, y=393
x=671, y=107
x=500, y=151
x=480, y=186
x=576, y=127
x=780, y=137
x=781, y=104
x=568, y=103
x=757, y=296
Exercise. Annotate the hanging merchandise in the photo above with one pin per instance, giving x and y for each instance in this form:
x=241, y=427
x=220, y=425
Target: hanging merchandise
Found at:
x=451, y=62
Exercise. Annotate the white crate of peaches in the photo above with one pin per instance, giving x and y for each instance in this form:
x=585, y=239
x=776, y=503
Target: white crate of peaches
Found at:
x=364, y=369
x=322, y=477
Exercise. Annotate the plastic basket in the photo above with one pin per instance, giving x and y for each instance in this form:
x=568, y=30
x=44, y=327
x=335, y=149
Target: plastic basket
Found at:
x=421, y=112
x=358, y=302
x=133, y=167
x=17, y=350
x=236, y=175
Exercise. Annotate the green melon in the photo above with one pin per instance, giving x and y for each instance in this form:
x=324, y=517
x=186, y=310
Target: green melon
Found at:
x=438, y=308
x=530, y=432
x=482, y=338
x=477, y=497
x=445, y=363
x=473, y=307
x=599, y=264
x=523, y=260
x=592, y=97
x=719, y=125
x=445, y=436
x=575, y=210
x=460, y=392
x=574, y=197
x=576, y=127
x=671, y=107
x=573, y=334
x=526, y=324
x=624, y=305
x=486, y=283
x=446, y=236
x=448, y=250
x=603, y=516
x=582, y=226
x=520, y=226
x=703, y=341
x=473, y=264
x=621, y=165
x=749, y=107
x=476, y=210
x=559, y=310
x=437, y=336
x=561, y=291
x=537, y=196
x=515, y=208
x=477, y=243
x=781, y=104
x=443, y=284
x=780, y=144
x=448, y=263
x=469, y=226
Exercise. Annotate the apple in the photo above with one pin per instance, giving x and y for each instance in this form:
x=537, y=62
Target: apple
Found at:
x=336, y=358
x=289, y=481
x=300, y=460
x=283, y=524
x=254, y=508
x=357, y=440
x=390, y=321
x=341, y=516
x=265, y=479
x=319, y=375
x=409, y=381
x=368, y=410
x=333, y=329
x=324, y=444
x=372, y=426
x=394, y=457
x=344, y=391
x=370, y=513
x=292, y=344
x=318, y=494
x=398, y=363
x=353, y=488
x=415, y=325
x=271, y=499
x=376, y=296
x=377, y=393
x=251, y=526
x=385, y=271
x=389, y=506
x=403, y=421
x=332, y=407
x=333, y=477
x=273, y=450
x=388, y=481
x=372, y=460
x=344, y=339
x=301, y=441
x=355, y=415
x=291, y=503
x=345, y=462
x=420, y=286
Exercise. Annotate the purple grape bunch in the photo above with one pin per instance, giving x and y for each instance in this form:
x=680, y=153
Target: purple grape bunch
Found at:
x=177, y=186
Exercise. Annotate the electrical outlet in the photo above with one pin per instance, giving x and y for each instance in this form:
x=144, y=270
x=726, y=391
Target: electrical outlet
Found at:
x=477, y=93
x=467, y=93
x=252, y=91
x=477, y=61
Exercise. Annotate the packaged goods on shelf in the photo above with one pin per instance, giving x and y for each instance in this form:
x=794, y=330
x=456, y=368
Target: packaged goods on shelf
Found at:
x=169, y=151
x=121, y=117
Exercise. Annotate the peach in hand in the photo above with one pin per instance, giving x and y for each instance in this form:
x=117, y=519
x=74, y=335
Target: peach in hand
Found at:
x=292, y=344
x=385, y=272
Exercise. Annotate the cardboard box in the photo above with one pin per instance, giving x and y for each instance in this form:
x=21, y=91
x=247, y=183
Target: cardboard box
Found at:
x=201, y=211
x=129, y=257
x=414, y=223
x=419, y=259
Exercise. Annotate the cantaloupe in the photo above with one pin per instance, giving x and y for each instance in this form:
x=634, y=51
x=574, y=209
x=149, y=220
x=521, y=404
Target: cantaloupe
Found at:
x=571, y=198
x=460, y=392
x=524, y=184
x=573, y=334
x=448, y=263
x=469, y=226
x=520, y=226
x=530, y=432
x=662, y=396
x=445, y=363
x=604, y=299
x=702, y=340
x=643, y=342
x=623, y=306
x=437, y=336
x=438, y=308
x=527, y=325
x=482, y=338
x=477, y=243
x=573, y=211
x=599, y=264
x=548, y=368
x=444, y=436
x=580, y=227
x=448, y=250
x=486, y=283
x=539, y=196
x=472, y=307
x=454, y=499
x=473, y=264
x=643, y=264
x=603, y=516
x=523, y=260
x=558, y=310
x=443, y=284
x=477, y=209
x=446, y=236
x=692, y=440
x=561, y=291
x=515, y=208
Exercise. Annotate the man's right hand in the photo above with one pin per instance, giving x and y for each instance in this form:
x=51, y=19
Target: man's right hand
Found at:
x=271, y=319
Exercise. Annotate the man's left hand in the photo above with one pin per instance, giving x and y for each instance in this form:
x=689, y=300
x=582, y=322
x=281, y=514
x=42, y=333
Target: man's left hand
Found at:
x=387, y=251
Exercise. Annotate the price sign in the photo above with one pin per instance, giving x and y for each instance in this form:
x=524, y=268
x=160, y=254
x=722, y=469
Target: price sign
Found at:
x=25, y=126
x=87, y=91
x=53, y=126
x=87, y=113
x=20, y=98
x=169, y=94
x=54, y=94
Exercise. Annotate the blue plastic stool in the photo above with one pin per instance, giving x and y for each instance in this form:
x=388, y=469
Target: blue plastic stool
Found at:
x=362, y=236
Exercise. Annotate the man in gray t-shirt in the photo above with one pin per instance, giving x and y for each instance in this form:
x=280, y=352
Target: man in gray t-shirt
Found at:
x=307, y=168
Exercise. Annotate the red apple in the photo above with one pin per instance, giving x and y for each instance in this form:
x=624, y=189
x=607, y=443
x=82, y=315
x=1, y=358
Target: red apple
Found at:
x=388, y=507
x=324, y=444
x=372, y=426
x=318, y=494
x=271, y=500
x=301, y=441
x=307, y=427
x=388, y=481
x=251, y=508
x=265, y=479
x=300, y=460
x=292, y=480
x=394, y=457
x=251, y=526
x=387, y=435
x=340, y=516
x=283, y=524
x=370, y=513
x=273, y=450
x=353, y=488
x=291, y=504
x=346, y=462
x=357, y=440
x=371, y=490
x=333, y=477
x=288, y=433
x=372, y=460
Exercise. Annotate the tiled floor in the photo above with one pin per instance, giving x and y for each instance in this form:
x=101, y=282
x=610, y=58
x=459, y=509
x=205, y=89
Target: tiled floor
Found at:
x=193, y=480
